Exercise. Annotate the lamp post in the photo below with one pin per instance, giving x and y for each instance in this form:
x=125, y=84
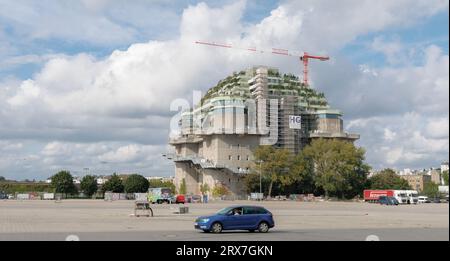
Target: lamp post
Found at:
x=260, y=177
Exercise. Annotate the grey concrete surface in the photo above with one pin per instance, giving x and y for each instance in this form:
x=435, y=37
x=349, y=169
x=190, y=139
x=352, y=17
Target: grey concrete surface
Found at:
x=100, y=220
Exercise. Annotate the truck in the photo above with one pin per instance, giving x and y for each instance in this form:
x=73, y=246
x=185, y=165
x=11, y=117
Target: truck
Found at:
x=402, y=196
x=160, y=195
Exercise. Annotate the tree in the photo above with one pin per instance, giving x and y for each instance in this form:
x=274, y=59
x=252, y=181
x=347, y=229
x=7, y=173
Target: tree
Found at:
x=157, y=183
x=220, y=190
x=2, y=178
x=89, y=185
x=274, y=165
x=251, y=181
x=338, y=167
x=388, y=179
x=431, y=189
x=183, y=186
x=114, y=184
x=445, y=177
x=136, y=184
x=204, y=188
x=62, y=182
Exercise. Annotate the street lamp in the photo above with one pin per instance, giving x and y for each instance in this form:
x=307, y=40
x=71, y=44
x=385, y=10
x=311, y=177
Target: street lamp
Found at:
x=260, y=177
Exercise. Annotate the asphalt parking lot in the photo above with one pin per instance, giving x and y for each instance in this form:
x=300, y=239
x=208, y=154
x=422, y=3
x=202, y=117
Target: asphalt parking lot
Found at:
x=102, y=220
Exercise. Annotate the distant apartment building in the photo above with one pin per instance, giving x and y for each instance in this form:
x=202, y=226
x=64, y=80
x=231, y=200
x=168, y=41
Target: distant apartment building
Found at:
x=435, y=175
x=259, y=106
x=444, y=166
x=417, y=181
x=101, y=180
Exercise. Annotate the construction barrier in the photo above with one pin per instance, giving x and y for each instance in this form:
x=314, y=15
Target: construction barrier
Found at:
x=109, y=196
x=141, y=196
x=49, y=196
x=23, y=196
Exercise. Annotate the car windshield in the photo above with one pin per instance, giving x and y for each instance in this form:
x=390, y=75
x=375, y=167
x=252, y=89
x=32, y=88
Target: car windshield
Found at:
x=224, y=211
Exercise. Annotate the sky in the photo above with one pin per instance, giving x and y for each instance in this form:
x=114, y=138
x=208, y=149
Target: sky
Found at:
x=86, y=85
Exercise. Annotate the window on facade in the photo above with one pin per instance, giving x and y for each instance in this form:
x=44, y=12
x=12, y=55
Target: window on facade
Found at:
x=230, y=157
x=239, y=157
x=248, y=158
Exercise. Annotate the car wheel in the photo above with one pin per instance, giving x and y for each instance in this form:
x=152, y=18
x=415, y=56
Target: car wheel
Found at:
x=216, y=227
x=263, y=227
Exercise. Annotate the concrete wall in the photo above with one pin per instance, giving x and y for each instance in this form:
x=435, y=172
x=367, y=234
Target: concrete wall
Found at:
x=238, y=147
x=330, y=125
x=233, y=182
x=417, y=181
x=213, y=177
x=188, y=172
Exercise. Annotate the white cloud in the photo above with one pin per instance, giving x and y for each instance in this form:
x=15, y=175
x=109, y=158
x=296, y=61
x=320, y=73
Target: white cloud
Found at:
x=28, y=91
x=389, y=135
x=438, y=128
x=127, y=153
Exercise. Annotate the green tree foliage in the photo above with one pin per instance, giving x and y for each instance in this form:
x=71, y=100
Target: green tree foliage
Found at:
x=251, y=181
x=338, y=167
x=220, y=190
x=204, y=188
x=20, y=187
x=62, y=182
x=114, y=184
x=445, y=177
x=157, y=183
x=89, y=185
x=136, y=184
x=431, y=189
x=274, y=166
x=2, y=178
x=388, y=179
x=183, y=187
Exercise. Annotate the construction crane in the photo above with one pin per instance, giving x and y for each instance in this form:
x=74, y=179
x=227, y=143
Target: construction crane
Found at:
x=304, y=58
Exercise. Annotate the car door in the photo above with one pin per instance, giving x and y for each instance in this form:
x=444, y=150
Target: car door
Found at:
x=232, y=221
x=251, y=218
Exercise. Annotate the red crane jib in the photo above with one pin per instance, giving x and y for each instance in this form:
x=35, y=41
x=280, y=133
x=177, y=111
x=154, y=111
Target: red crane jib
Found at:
x=304, y=58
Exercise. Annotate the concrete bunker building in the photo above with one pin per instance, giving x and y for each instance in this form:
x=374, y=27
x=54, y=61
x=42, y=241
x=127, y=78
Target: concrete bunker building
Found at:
x=258, y=106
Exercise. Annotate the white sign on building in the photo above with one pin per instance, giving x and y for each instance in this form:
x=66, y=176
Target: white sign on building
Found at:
x=295, y=122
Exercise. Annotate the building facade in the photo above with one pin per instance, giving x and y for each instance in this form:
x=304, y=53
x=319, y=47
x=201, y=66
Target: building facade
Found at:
x=417, y=182
x=259, y=106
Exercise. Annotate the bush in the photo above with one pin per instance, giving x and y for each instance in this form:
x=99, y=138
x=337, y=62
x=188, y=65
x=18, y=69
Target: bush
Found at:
x=183, y=188
x=220, y=190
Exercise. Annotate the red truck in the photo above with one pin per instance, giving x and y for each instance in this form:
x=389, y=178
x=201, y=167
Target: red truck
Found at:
x=371, y=195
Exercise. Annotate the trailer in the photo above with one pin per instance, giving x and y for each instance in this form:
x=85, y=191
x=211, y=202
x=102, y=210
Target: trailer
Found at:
x=371, y=195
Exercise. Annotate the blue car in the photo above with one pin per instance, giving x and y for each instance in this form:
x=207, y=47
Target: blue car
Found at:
x=249, y=218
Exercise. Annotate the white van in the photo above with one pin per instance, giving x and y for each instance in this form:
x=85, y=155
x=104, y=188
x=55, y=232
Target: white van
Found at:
x=423, y=199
